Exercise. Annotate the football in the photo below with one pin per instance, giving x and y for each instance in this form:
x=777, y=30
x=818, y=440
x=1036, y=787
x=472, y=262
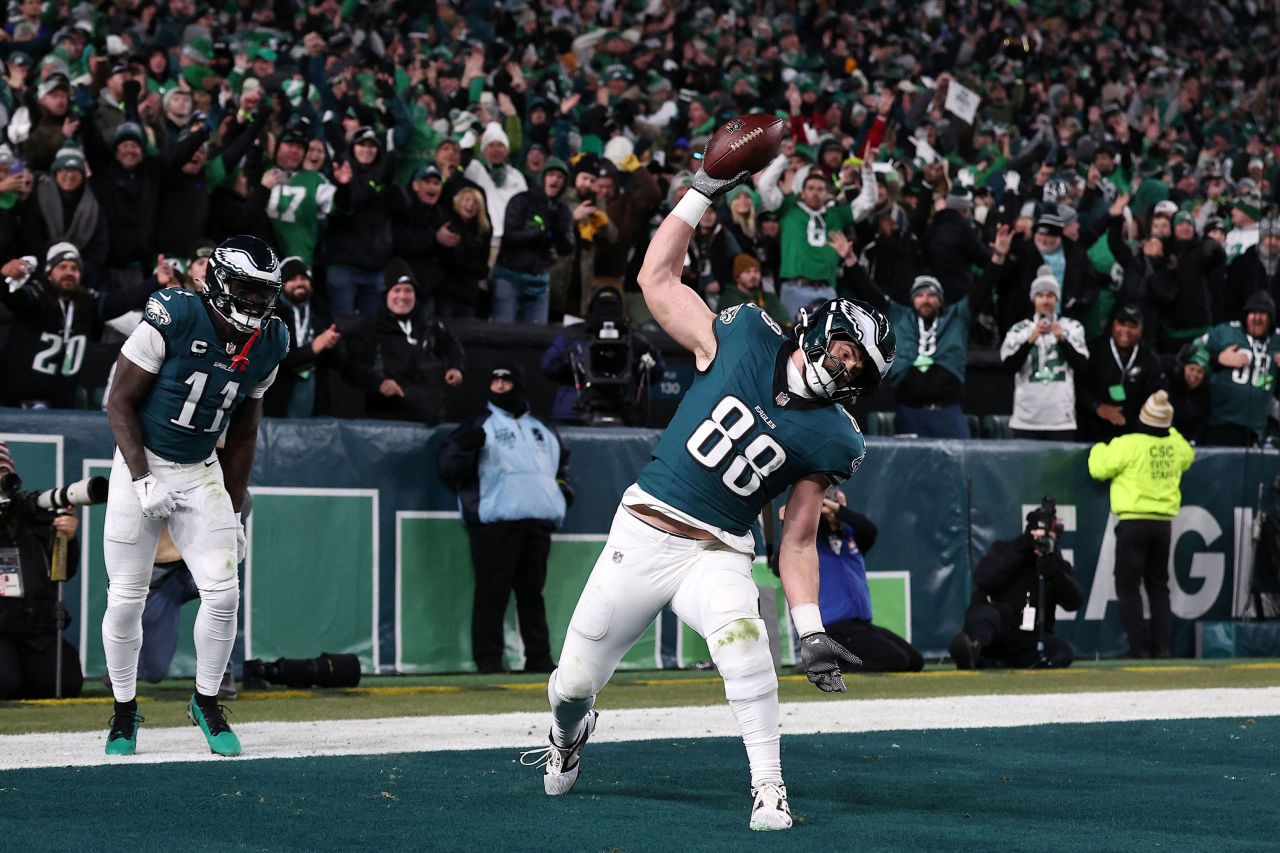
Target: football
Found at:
x=747, y=143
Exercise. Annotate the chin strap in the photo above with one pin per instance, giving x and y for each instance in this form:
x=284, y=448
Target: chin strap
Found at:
x=241, y=361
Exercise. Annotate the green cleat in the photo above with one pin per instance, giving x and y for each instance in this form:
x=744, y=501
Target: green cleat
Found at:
x=222, y=741
x=123, y=737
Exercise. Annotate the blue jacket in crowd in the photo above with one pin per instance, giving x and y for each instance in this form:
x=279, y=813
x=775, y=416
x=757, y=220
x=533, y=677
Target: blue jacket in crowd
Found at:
x=842, y=587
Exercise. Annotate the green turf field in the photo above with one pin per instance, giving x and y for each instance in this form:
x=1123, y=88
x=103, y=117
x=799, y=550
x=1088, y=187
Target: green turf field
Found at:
x=1195, y=784
x=1183, y=785
x=165, y=703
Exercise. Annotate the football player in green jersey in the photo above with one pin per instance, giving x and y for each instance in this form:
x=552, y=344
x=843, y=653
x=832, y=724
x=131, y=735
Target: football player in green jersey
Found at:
x=197, y=365
x=764, y=415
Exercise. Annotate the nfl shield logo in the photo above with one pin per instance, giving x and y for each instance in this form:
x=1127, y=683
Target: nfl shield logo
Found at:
x=231, y=349
x=783, y=398
x=617, y=556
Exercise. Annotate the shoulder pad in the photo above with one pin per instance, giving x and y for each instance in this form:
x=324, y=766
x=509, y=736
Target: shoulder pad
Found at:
x=167, y=310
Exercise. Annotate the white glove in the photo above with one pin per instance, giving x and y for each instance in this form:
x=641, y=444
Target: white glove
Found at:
x=1011, y=181
x=242, y=541
x=158, y=500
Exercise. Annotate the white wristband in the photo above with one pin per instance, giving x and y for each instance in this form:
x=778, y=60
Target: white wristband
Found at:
x=691, y=207
x=808, y=619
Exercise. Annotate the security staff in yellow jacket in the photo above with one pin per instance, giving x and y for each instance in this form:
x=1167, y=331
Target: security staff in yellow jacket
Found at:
x=1145, y=469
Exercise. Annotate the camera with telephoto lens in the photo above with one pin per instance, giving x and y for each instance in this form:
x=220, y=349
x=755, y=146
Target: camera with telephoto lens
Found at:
x=90, y=490
x=327, y=670
x=1045, y=517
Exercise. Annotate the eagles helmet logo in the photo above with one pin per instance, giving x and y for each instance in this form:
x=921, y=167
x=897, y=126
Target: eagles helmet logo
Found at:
x=157, y=313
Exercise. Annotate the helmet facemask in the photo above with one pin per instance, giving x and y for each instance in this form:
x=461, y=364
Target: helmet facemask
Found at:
x=825, y=374
x=244, y=303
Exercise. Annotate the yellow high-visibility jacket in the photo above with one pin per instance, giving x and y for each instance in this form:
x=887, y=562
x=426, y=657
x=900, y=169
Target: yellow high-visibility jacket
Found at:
x=1145, y=473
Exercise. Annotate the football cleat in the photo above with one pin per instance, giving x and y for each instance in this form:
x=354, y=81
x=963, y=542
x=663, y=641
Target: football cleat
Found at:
x=770, y=809
x=562, y=763
x=222, y=741
x=123, y=737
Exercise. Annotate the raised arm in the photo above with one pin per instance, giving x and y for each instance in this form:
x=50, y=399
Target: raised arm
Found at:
x=677, y=308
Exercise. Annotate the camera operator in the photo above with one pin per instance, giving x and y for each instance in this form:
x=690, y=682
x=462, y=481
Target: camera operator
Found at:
x=1019, y=584
x=29, y=608
x=604, y=369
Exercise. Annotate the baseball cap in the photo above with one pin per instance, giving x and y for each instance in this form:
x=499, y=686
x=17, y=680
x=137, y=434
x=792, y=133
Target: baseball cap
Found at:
x=365, y=133
x=1128, y=314
x=60, y=252
x=427, y=171
x=53, y=83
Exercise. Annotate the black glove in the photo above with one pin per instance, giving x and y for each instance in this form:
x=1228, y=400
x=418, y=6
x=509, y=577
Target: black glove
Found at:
x=132, y=91
x=385, y=88
x=469, y=437
x=822, y=657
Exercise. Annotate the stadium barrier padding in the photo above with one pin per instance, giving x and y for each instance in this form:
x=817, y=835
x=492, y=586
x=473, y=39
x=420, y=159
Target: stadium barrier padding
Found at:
x=356, y=545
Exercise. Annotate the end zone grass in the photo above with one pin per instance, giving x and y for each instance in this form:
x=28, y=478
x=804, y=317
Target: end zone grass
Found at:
x=397, y=696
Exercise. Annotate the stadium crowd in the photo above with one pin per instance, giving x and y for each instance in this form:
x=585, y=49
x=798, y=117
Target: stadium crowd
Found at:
x=1088, y=188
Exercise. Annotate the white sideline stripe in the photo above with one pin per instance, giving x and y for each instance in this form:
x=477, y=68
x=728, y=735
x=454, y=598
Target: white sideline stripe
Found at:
x=528, y=729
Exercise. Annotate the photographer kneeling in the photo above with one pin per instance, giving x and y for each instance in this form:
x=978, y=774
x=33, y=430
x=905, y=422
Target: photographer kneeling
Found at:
x=1019, y=584
x=29, y=606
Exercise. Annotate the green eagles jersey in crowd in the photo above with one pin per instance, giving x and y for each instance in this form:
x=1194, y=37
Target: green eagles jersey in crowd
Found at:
x=740, y=438
x=1241, y=395
x=197, y=388
x=296, y=207
x=943, y=344
x=805, y=253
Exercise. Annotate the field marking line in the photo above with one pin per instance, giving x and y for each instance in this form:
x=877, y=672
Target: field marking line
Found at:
x=398, y=735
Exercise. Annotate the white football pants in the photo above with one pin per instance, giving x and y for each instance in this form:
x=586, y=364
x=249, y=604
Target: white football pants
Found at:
x=709, y=586
x=204, y=532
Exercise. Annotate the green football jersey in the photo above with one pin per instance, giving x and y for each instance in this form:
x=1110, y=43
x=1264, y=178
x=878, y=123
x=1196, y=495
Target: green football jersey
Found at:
x=1241, y=395
x=197, y=389
x=740, y=438
x=296, y=208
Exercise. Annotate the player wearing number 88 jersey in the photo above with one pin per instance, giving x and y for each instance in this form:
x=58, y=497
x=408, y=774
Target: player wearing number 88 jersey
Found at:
x=763, y=416
x=741, y=438
x=196, y=368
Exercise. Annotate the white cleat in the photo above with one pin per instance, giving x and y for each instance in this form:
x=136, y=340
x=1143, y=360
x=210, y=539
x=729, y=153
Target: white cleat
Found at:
x=770, y=810
x=562, y=765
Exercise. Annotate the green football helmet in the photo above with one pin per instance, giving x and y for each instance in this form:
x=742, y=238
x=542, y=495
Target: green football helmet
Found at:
x=853, y=321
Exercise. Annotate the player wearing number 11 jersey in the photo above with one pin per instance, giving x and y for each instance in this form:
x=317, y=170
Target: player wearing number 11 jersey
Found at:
x=197, y=366
x=763, y=416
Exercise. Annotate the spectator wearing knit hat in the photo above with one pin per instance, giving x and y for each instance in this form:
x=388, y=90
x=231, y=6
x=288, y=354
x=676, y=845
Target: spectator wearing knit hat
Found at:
x=39, y=128
x=1257, y=268
x=1189, y=391
x=928, y=373
x=1122, y=372
x=315, y=344
x=55, y=319
x=746, y=289
x=1245, y=214
x=359, y=241
x=1044, y=353
x=539, y=228
x=126, y=183
x=953, y=246
x=405, y=361
x=500, y=180
x=1145, y=467
x=1244, y=360
x=67, y=210
x=1068, y=264
x=1180, y=266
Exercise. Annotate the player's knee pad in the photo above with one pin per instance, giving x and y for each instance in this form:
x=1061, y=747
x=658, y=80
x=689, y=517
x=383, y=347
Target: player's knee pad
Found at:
x=741, y=654
x=572, y=681
x=222, y=597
